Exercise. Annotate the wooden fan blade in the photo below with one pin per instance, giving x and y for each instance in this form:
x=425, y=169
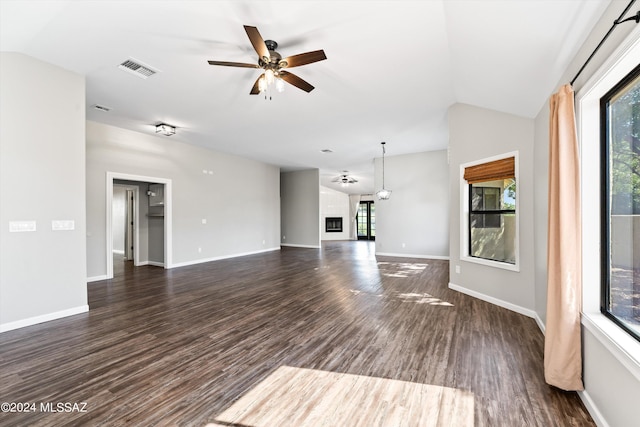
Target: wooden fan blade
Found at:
x=304, y=58
x=296, y=81
x=233, y=64
x=258, y=43
x=255, y=90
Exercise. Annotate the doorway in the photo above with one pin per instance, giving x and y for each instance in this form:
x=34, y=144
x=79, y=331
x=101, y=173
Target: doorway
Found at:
x=366, y=220
x=150, y=218
x=125, y=222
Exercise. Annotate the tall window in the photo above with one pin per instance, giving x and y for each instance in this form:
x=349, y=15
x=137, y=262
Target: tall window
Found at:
x=620, y=157
x=489, y=194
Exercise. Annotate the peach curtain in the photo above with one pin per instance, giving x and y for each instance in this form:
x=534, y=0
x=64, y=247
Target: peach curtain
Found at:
x=562, y=345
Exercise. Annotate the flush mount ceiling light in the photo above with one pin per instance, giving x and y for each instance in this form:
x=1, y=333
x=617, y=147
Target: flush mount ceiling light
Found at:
x=165, y=129
x=383, y=194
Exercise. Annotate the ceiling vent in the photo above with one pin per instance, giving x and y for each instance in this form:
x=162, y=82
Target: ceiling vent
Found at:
x=137, y=68
x=102, y=108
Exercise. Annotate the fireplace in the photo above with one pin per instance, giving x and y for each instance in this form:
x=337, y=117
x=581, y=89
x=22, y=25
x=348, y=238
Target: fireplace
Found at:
x=333, y=224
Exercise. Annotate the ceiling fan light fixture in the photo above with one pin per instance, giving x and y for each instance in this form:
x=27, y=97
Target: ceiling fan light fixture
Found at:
x=273, y=64
x=262, y=84
x=269, y=76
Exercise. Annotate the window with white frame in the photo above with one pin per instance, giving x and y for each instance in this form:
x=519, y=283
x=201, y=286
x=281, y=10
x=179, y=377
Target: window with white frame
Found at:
x=620, y=191
x=489, y=222
x=620, y=63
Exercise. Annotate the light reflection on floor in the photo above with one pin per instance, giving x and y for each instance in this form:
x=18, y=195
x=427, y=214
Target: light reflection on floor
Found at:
x=308, y=397
x=400, y=269
x=423, y=298
x=417, y=298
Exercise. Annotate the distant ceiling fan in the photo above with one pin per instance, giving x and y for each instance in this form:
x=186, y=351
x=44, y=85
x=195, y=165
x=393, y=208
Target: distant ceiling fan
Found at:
x=274, y=64
x=345, y=179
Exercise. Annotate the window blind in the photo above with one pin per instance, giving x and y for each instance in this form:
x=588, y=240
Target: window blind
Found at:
x=491, y=171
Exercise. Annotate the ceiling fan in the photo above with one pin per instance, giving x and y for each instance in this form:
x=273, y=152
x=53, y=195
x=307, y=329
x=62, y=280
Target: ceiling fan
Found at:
x=274, y=64
x=345, y=179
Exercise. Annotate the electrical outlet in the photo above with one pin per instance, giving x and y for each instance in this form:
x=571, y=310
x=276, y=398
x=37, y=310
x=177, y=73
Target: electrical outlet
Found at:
x=457, y=269
x=204, y=220
x=199, y=250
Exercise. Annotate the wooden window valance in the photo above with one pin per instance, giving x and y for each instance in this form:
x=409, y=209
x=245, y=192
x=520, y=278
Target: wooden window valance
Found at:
x=491, y=171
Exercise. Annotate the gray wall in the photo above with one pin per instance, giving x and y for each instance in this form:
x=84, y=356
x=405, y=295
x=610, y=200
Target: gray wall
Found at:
x=42, y=272
x=415, y=220
x=242, y=214
x=611, y=389
x=541, y=206
x=300, y=208
x=474, y=134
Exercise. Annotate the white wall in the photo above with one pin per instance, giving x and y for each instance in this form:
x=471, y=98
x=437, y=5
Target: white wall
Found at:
x=242, y=214
x=300, y=208
x=474, y=134
x=414, y=222
x=334, y=204
x=42, y=272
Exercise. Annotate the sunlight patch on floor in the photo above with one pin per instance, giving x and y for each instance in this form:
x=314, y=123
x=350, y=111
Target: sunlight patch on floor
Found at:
x=309, y=397
x=416, y=298
x=400, y=269
x=423, y=299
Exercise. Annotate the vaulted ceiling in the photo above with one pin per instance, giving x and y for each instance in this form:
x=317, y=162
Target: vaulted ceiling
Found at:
x=393, y=69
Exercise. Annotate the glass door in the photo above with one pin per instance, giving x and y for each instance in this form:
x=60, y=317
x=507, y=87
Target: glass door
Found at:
x=366, y=220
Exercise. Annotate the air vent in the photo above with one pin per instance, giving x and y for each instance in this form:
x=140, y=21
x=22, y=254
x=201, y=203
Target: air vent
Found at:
x=137, y=68
x=102, y=108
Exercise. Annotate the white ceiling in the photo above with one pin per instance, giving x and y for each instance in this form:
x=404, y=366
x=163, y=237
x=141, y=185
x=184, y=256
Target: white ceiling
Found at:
x=393, y=69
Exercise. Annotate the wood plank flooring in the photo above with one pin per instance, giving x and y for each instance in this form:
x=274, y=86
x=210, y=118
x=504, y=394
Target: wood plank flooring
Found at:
x=330, y=337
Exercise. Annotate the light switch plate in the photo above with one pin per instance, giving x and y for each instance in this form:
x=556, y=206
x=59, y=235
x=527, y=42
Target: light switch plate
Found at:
x=61, y=225
x=20, y=226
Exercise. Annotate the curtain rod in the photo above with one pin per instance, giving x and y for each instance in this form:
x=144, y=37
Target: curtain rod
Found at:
x=636, y=18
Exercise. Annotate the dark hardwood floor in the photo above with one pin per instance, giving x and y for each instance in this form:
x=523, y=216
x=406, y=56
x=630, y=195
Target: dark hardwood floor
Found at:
x=240, y=342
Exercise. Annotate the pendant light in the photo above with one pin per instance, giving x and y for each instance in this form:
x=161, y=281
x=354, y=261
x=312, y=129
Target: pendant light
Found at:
x=383, y=194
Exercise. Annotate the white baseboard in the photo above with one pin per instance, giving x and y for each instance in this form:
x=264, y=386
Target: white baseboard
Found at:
x=117, y=252
x=292, y=245
x=504, y=304
x=592, y=409
x=96, y=278
x=203, y=260
x=155, y=264
x=412, y=256
x=4, y=327
x=541, y=325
